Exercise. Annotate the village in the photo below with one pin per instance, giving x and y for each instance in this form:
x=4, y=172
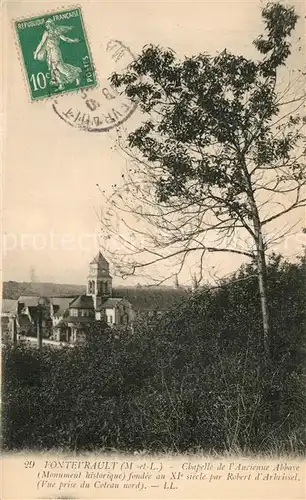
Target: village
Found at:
x=63, y=320
x=59, y=320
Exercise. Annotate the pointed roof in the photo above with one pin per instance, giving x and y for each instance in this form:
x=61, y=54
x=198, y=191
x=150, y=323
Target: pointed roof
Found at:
x=28, y=300
x=61, y=304
x=113, y=302
x=100, y=260
x=82, y=302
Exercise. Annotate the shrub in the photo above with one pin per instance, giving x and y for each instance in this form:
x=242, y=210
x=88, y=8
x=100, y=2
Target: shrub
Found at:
x=192, y=380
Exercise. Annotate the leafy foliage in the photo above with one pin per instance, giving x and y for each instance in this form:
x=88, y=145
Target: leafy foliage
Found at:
x=218, y=158
x=211, y=116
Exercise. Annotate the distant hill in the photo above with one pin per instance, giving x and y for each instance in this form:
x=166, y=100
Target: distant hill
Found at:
x=13, y=289
x=142, y=297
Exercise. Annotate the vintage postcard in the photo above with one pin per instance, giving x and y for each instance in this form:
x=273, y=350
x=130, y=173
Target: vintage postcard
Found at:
x=153, y=250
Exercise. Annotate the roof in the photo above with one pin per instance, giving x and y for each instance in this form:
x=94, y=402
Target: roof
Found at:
x=28, y=300
x=9, y=305
x=100, y=260
x=60, y=304
x=111, y=302
x=82, y=302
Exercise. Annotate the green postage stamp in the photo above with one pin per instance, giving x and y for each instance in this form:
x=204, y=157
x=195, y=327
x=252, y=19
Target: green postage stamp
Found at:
x=55, y=53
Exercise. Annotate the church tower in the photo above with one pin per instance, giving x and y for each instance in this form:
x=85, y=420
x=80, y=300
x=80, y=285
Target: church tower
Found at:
x=99, y=281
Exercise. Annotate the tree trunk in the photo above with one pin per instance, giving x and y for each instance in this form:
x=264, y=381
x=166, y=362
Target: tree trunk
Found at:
x=39, y=330
x=261, y=263
x=14, y=331
x=263, y=286
x=262, y=277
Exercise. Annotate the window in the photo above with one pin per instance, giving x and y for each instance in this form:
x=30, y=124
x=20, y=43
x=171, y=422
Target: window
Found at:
x=73, y=312
x=109, y=319
x=91, y=287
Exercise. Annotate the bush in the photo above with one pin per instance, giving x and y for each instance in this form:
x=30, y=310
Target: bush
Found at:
x=192, y=380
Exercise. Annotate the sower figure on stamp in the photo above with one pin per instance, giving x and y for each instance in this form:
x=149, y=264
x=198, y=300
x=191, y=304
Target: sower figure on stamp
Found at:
x=49, y=50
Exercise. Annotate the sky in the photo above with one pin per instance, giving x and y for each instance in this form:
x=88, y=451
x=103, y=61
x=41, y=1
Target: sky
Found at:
x=50, y=170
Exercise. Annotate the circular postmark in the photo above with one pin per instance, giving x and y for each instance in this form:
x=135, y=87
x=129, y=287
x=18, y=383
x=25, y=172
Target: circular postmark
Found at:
x=102, y=108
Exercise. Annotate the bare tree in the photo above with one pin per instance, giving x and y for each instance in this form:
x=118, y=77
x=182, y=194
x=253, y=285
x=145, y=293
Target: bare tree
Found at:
x=218, y=158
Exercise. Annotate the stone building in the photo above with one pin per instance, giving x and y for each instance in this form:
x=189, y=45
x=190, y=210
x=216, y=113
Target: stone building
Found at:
x=97, y=305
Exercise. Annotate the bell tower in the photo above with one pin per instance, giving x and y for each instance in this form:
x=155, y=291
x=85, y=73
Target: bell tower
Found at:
x=99, y=281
